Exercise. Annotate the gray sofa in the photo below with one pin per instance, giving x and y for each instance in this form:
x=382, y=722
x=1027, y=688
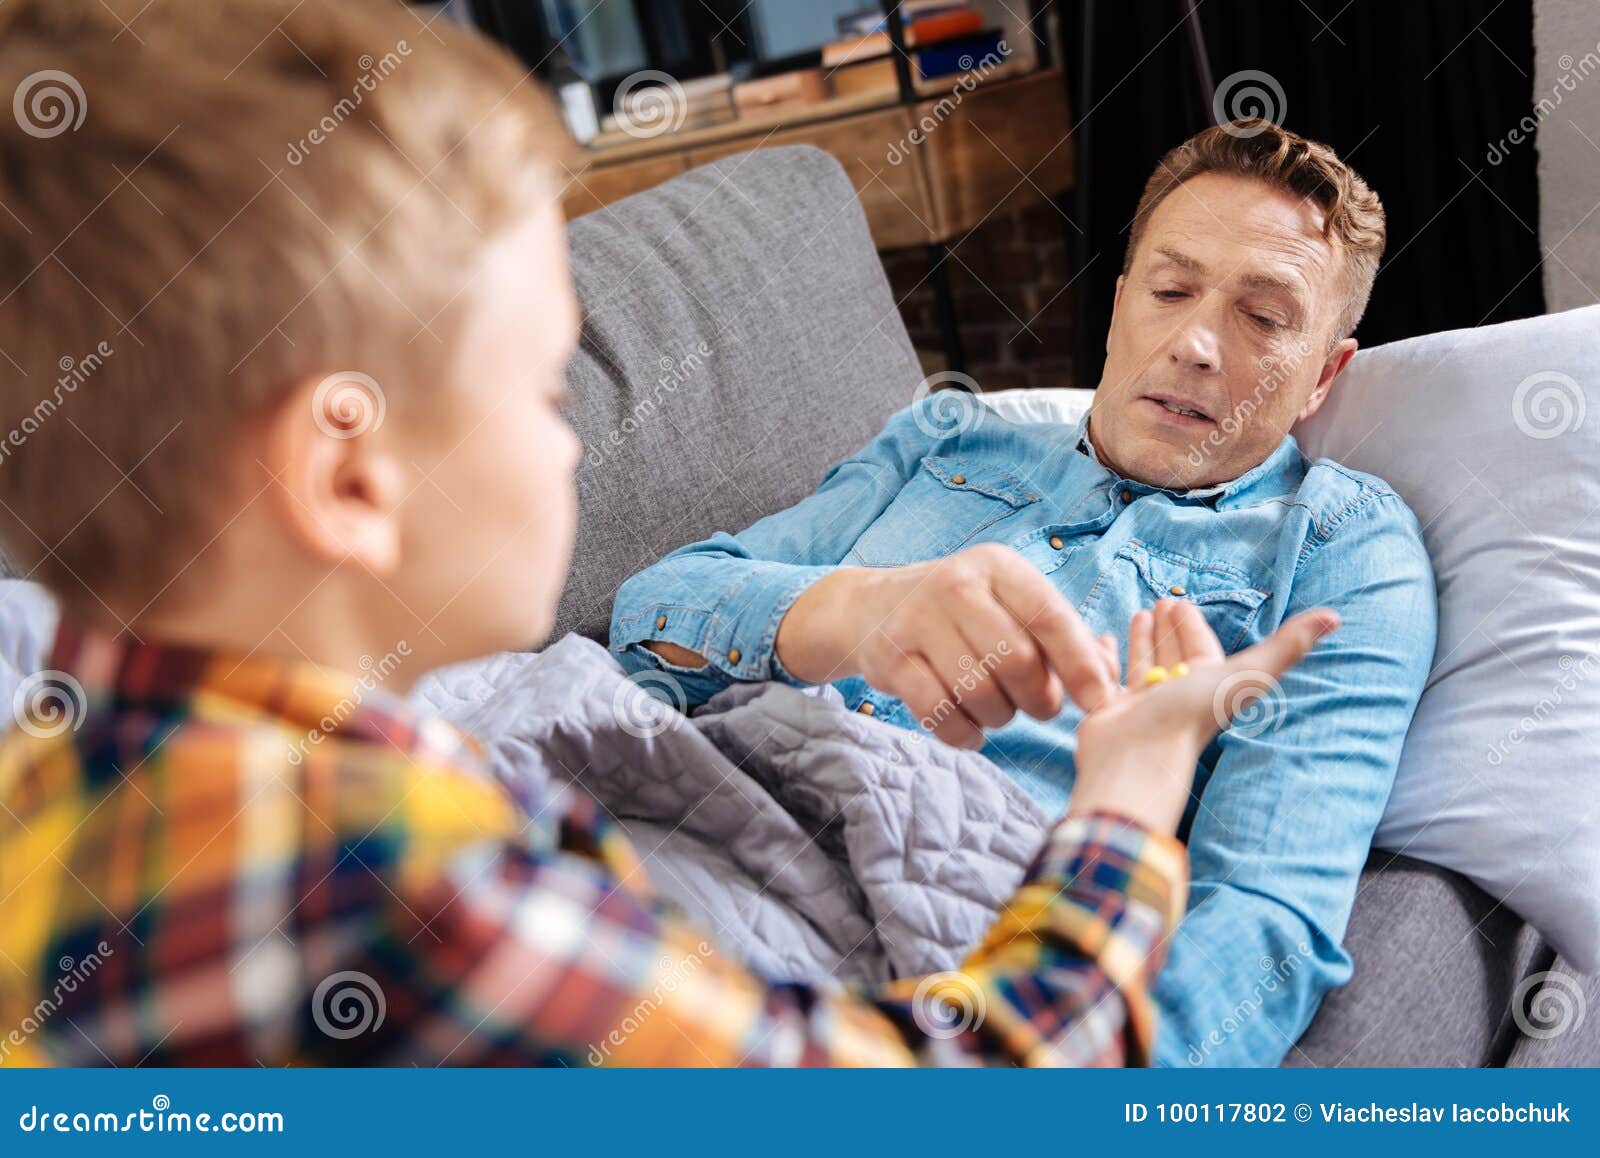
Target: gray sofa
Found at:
x=740, y=336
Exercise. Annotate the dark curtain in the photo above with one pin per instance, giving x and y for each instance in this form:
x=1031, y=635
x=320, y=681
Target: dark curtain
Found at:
x=1415, y=94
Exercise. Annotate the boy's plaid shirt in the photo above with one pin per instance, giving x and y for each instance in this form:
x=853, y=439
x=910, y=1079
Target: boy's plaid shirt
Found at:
x=214, y=860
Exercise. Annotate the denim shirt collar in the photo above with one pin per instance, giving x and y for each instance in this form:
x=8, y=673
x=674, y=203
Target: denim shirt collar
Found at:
x=1277, y=473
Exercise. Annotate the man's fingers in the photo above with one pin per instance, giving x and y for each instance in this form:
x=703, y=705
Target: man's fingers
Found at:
x=964, y=674
x=936, y=710
x=1067, y=643
x=1004, y=651
x=1287, y=646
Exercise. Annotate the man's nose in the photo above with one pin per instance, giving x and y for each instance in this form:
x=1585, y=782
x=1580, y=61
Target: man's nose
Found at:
x=1195, y=345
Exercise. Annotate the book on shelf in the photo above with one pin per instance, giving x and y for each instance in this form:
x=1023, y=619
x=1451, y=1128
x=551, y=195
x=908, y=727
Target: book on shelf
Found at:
x=689, y=104
x=933, y=25
x=956, y=56
x=912, y=9
x=945, y=24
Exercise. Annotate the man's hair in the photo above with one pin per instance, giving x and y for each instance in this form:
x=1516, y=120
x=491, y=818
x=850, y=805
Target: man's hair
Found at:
x=207, y=206
x=1353, y=218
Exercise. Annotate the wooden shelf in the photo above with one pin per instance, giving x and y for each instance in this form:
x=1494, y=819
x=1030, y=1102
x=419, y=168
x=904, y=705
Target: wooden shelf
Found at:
x=632, y=148
x=965, y=154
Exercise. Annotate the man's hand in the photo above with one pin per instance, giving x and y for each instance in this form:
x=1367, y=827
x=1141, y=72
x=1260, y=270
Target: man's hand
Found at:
x=1137, y=753
x=964, y=641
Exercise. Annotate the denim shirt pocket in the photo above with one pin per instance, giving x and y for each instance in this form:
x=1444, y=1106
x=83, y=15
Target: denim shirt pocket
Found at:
x=1054, y=546
x=1224, y=593
x=947, y=503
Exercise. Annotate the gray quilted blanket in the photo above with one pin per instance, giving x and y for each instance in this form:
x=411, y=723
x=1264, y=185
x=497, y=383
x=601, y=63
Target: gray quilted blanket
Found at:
x=816, y=843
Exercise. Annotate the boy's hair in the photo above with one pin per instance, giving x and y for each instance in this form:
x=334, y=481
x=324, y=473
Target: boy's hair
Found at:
x=205, y=207
x=1352, y=214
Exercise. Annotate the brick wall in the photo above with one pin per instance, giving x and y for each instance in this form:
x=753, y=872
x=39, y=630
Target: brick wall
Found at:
x=1008, y=278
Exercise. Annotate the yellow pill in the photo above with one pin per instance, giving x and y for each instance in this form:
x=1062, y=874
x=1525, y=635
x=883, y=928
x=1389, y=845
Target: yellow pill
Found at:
x=1180, y=669
x=1156, y=675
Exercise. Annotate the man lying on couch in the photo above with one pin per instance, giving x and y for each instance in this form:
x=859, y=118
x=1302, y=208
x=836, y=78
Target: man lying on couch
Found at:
x=901, y=579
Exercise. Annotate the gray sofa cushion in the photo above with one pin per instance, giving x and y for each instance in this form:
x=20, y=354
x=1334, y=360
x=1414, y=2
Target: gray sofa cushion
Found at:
x=1438, y=964
x=739, y=336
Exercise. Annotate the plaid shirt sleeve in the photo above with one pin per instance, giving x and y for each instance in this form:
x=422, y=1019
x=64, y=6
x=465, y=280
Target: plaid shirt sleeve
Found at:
x=497, y=945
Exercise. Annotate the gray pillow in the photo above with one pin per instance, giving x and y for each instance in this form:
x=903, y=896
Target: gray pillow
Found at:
x=739, y=336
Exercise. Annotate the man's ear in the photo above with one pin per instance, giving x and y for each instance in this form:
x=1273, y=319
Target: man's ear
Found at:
x=337, y=482
x=1116, y=300
x=1338, y=358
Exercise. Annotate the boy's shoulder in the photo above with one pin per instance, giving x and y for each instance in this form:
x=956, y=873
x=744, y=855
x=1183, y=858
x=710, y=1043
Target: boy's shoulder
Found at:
x=181, y=806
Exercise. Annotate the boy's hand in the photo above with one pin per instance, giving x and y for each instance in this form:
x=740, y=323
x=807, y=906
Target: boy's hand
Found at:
x=965, y=641
x=1137, y=752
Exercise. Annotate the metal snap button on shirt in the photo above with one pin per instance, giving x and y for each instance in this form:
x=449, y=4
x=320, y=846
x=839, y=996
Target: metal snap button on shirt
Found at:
x=661, y=621
x=958, y=479
x=733, y=655
x=866, y=709
x=1055, y=541
x=1177, y=589
x=1127, y=495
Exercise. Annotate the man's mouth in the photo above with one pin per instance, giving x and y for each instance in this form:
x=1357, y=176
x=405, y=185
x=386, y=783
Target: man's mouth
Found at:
x=1180, y=409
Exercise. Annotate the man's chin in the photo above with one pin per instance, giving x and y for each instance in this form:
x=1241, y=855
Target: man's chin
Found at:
x=1157, y=453
x=1159, y=459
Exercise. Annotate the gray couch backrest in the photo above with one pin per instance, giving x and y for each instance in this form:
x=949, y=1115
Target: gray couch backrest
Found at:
x=739, y=336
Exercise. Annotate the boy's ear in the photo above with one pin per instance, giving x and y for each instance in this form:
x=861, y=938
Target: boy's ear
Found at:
x=338, y=483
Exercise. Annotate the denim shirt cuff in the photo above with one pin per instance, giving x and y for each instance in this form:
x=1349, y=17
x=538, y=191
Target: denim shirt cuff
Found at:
x=736, y=633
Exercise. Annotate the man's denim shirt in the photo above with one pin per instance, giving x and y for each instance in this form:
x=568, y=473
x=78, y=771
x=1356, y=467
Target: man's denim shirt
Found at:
x=1285, y=802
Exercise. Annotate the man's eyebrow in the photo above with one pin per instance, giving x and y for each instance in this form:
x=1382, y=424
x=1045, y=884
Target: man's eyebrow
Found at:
x=1257, y=281
x=1268, y=281
x=1179, y=258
